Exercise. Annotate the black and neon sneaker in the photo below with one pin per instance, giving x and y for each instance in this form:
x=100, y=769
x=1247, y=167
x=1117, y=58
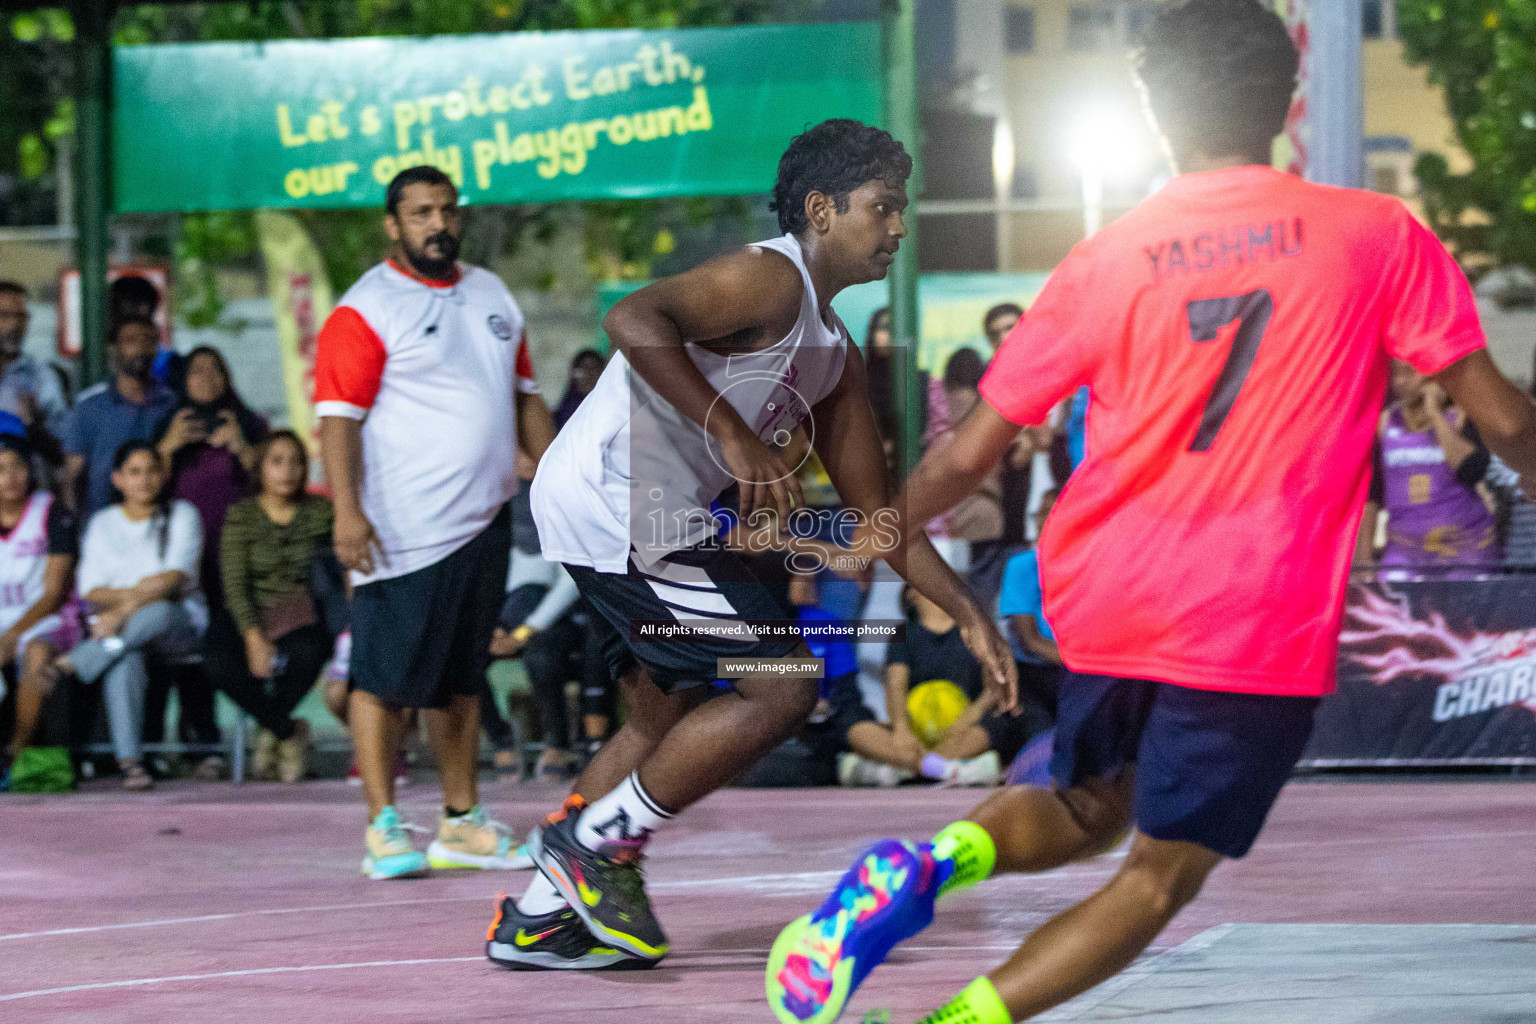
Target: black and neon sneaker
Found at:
x=606, y=887
x=556, y=941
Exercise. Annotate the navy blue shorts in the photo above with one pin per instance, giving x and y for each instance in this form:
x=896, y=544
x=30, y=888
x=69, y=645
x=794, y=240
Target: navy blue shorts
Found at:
x=1209, y=764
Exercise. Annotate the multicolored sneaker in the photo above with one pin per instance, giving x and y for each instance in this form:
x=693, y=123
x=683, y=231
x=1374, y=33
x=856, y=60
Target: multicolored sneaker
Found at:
x=606, y=888
x=819, y=961
x=473, y=840
x=556, y=941
x=390, y=853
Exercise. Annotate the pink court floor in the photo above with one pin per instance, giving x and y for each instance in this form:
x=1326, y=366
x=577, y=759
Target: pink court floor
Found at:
x=201, y=902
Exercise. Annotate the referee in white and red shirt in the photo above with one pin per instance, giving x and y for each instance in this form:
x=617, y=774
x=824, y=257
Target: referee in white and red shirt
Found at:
x=424, y=390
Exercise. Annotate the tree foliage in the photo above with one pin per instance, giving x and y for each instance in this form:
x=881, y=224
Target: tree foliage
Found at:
x=1483, y=52
x=622, y=238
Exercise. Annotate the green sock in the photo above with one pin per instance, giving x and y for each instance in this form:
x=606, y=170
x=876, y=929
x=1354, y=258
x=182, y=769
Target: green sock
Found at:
x=967, y=846
x=978, y=1004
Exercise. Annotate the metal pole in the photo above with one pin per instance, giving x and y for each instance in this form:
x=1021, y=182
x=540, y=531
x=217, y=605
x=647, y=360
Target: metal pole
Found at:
x=1335, y=95
x=93, y=35
x=898, y=36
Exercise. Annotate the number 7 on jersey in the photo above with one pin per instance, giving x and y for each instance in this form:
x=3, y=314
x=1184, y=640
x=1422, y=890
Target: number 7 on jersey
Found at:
x=1206, y=319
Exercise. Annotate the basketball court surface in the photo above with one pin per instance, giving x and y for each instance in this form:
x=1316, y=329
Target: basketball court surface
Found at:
x=1412, y=902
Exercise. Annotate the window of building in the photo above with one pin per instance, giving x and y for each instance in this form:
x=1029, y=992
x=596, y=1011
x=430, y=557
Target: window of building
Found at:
x=1090, y=26
x=1138, y=18
x=1378, y=19
x=1371, y=19
x=1389, y=165
x=1019, y=29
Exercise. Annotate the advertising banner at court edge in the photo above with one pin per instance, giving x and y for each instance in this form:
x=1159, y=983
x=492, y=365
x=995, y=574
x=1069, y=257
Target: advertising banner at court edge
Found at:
x=527, y=117
x=1433, y=672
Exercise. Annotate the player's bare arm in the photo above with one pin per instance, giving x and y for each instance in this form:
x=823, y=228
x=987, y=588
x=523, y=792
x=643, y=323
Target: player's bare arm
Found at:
x=741, y=301
x=849, y=445
x=341, y=452
x=73, y=481
x=1503, y=414
x=535, y=425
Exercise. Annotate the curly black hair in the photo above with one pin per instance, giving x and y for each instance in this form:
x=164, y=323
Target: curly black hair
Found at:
x=1219, y=76
x=834, y=158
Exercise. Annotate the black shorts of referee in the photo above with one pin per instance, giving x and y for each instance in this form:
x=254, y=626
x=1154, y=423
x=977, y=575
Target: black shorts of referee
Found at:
x=421, y=639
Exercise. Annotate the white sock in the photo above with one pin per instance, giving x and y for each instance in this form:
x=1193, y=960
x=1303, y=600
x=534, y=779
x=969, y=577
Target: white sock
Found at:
x=628, y=812
x=541, y=898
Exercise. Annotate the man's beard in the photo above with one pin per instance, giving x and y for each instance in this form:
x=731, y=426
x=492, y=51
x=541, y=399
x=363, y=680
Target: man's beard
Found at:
x=138, y=368
x=438, y=269
x=10, y=344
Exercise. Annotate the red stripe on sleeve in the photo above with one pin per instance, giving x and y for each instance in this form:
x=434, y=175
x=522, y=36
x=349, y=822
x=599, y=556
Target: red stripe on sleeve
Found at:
x=524, y=360
x=349, y=360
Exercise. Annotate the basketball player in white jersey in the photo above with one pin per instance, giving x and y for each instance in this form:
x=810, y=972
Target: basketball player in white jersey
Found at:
x=39, y=544
x=713, y=366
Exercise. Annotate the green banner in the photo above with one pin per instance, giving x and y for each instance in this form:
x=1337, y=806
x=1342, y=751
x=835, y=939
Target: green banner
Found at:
x=518, y=118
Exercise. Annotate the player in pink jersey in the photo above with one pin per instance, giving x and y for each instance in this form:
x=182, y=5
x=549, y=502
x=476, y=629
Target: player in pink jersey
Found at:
x=1235, y=330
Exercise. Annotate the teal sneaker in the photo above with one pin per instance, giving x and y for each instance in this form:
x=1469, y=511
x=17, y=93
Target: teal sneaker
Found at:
x=390, y=853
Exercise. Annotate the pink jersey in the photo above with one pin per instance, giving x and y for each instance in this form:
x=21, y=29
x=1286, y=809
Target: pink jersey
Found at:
x=1234, y=329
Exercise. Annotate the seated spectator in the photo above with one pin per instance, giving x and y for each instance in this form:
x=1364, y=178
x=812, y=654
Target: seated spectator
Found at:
x=128, y=407
x=39, y=543
x=841, y=722
x=265, y=648
x=135, y=296
x=886, y=376
x=586, y=366
x=138, y=573
x=29, y=390
x=209, y=444
x=833, y=594
x=521, y=597
x=544, y=623
x=1430, y=462
x=973, y=750
x=811, y=757
x=1021, y=606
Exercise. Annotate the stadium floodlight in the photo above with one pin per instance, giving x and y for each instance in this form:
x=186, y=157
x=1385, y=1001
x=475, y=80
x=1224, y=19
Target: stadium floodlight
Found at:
x=1103, y=143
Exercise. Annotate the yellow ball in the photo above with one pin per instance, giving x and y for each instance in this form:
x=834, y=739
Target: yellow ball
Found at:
x=932, y=707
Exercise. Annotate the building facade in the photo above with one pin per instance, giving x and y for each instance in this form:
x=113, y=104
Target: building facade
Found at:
x=1057, y=73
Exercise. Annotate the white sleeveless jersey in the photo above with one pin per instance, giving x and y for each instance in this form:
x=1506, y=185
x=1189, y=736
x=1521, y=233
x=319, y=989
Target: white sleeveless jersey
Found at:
x=23, y=559
x=629, y=471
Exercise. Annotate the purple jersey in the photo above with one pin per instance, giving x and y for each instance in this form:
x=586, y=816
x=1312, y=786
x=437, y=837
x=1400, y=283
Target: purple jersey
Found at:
x=1432, y=517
